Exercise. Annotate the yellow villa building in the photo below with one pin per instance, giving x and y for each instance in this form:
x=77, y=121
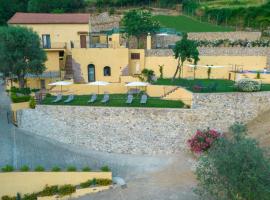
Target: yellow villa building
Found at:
x=89, y=48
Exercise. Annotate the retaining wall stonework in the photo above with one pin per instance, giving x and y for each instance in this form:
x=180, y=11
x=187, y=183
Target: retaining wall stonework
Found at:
x=238, y=35
x=142, y=130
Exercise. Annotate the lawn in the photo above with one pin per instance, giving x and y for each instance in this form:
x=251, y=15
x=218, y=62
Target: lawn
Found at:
x=117, y=100
x=222, y=84
x=186, y=24
x=231, y=3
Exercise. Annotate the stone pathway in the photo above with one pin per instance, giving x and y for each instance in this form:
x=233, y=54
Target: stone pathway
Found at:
x=148, y=177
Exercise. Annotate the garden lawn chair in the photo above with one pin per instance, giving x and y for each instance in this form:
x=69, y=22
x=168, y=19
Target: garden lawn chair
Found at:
x=106, y=98
x=129, y=99
x=58, y=98
x=143, y=99
x=93, y=98
x=69, y=99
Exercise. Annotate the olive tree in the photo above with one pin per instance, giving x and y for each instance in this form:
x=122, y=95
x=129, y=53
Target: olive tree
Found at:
x=20, y=53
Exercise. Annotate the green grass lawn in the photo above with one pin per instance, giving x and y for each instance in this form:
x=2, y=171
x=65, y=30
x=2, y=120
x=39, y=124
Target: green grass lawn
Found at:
x=232, y=3
x=186, y=24
x=117, y=100
x=222, y=84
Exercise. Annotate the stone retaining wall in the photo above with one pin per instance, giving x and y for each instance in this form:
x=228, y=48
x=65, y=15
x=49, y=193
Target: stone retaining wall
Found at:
x=142, y=130
x=238, y=35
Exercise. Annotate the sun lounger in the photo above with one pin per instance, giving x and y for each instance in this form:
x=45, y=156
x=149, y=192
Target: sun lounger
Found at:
x=93, y=98
x=129, y=99
x=58, y=98
x=144, y=99
x=106, y=98
x=69, y=99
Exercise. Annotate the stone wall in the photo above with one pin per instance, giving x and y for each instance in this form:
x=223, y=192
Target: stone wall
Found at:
x=238, y=35
x=142, y=130
x=219, y=51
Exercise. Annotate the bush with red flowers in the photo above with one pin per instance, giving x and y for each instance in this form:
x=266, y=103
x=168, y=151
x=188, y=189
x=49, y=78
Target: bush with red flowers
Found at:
x=203, y=140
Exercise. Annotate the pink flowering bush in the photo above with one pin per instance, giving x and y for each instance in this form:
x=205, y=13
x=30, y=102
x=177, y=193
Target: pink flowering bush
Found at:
x=203, y=140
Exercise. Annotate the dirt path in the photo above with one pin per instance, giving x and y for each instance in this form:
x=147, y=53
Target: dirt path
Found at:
x=174, y=182
x=259, y=128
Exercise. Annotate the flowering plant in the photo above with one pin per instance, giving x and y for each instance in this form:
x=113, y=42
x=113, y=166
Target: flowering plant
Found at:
x=203, y=140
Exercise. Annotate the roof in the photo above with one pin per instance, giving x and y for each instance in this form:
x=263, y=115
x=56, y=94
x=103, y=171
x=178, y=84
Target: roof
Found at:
x=47, y=18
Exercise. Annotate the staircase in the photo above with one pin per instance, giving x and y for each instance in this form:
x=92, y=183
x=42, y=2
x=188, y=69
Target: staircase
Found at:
x=68, y=68
x=170, y=92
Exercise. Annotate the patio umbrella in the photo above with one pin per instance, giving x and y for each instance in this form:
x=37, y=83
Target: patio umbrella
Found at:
x=137, y=84
x=99, y=83
x=61, y=83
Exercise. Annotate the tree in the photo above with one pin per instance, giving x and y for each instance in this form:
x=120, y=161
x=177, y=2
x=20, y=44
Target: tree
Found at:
x=9, y=7
x=185, y=49
x=234, y=168
x=139, y=23
x=21, y=53
x=54, y=6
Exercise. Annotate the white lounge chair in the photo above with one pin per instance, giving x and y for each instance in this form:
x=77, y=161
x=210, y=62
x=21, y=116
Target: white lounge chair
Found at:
x=69, y=99
x=144, y=99
x=58, y=98
x=93, y=98
x=106, y=98
x=129, y=99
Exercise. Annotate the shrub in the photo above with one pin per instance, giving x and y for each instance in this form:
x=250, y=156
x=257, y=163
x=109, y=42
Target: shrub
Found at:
x=86, y=169
x=32, y=103
x=86, y=184
x=234, y=168
x=8, y=198
x=48, y=95
x=32, y=196
x=24, y=91
x=66, y=190
x=103, y=182
x=258, y=75
x=56, y=169
x=39, y=169
x=8, y=168
x=105, y=169
x=19, y=99
x=49, y=191
x=248, y=85
x=203, y=140
x=24, y=168
x=71, y=169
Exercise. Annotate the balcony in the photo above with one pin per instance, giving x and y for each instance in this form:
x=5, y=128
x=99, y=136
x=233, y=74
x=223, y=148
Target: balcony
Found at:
x=55, y=45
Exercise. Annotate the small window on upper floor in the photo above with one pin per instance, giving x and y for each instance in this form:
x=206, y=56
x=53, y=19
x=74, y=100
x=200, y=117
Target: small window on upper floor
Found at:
x=107, y=71
x=135, y=56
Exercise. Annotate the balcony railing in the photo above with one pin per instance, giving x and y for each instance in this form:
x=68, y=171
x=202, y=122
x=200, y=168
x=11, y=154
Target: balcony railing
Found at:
x=55, y=45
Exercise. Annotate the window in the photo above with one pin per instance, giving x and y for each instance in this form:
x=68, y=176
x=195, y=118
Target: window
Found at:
x=46, y=41
x=135, y=56
x=107, y=71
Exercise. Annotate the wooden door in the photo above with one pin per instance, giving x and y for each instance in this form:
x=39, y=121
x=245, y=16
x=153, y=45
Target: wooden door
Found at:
x=83, y=41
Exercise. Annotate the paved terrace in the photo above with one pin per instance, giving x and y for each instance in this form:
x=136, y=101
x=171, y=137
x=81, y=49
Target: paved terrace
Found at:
x=158, y=178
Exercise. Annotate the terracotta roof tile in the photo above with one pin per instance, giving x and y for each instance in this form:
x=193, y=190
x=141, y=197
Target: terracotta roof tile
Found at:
x=46, y=18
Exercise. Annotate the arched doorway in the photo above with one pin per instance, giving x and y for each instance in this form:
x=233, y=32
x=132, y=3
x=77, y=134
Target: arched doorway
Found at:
x=91, y=73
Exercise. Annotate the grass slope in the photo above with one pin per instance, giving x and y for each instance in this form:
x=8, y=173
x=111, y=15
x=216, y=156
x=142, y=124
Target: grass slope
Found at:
x=223, y=85
x=117, y=100
x=186, y=24
x=232, y=3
